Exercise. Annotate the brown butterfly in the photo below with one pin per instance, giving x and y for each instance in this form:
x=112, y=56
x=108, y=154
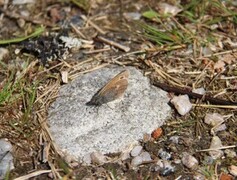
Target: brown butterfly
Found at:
x=114, y=89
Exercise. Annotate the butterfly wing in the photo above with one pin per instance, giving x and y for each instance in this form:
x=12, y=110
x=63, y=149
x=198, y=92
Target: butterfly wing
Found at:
x=114, y=89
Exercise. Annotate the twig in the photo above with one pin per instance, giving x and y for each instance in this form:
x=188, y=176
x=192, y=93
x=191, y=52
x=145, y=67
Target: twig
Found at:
x=73, y=76
x=112, y=43
x=219, y=148
x=193, y=95
x=77, y=31
x=31, y=175
x=96, y=51
x=129, y=54
x=219, y=53
x=93, y=24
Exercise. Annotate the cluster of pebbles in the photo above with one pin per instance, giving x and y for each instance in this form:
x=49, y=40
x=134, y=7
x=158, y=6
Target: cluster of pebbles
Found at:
x=165, y=162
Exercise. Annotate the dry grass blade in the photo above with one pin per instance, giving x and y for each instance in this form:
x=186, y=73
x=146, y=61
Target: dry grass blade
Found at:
x=93, y=24
x=215, y=106
x=219, y=148
x=34, y=174
x=115, y=44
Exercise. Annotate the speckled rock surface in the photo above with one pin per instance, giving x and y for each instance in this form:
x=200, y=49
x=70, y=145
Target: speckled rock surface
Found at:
x=81, y=129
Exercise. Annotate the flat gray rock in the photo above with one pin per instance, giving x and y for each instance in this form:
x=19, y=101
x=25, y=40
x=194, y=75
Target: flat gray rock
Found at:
x=111, y=127
x=6, y=158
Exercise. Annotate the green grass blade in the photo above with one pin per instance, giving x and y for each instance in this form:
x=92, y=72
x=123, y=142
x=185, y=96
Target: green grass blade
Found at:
x=37, y=32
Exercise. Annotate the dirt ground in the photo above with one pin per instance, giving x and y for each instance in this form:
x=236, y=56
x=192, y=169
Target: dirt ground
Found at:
x=194, y=46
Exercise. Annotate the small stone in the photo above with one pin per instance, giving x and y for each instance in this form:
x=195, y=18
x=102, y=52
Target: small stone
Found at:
x=21, y=22
x=177, y=161
x=213, y=119
x=174, y=139
x=132, y=15
x=136, y=151
x=6, y=158
x=5, y=146
x=64, y=75
x=160, y=164
x=182, y=104
x=136, y=161
x=98, y=158
x=145, y=156
x=17, y=51
x=165, y=8
x=215, y=144
x=230, y=153
x=164, y=167
x=222, y=127
x=233, y=170
x=167, y=168
x=164, y=155
x=189, y=161
x=199, y=91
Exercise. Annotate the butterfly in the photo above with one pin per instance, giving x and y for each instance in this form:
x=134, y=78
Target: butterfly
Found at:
x=114, y=89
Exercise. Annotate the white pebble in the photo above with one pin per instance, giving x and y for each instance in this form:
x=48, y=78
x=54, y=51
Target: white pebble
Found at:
x=222, y=127
x=145, y=156
x=213, y=119
x=189, y=161
x=167, y=168
x=164, y=154
x=199, y=91
x=166, y=8
x=215, y=144
x=17, y=51
x=132, y=15
x=174, y=139
x=182, y=104
x=6, y=158
x=136, y=161
x=5, y=146
x=64, y=75
x=136, y=151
